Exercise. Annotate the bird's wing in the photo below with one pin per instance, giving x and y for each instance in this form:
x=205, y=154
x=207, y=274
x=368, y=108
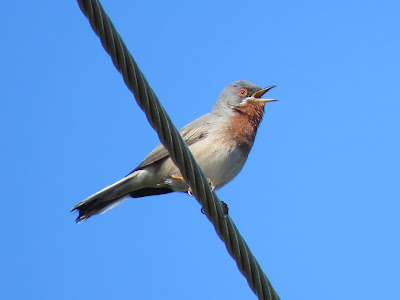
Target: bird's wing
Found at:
x=191, y=133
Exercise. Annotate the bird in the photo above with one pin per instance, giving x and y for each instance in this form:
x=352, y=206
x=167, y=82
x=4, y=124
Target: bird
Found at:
x=220, y=141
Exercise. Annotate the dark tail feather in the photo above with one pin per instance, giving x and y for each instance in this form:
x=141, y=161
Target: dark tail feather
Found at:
x=95, y=206
x=105, y=199
x=133, y=185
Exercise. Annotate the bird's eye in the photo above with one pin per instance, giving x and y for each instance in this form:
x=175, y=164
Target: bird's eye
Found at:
x=242, y=93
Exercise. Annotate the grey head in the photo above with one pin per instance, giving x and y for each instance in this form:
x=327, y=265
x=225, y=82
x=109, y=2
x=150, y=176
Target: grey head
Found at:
x=236, y=93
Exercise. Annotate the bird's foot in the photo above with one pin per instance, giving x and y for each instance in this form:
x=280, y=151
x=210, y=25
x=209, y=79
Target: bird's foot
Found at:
x=212, y=187
x=225, y=208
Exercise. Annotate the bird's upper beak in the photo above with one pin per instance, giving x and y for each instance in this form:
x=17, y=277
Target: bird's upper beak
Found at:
x=257, y=95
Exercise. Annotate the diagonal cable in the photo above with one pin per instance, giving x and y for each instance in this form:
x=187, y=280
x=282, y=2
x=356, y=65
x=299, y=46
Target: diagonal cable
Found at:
x=179, y=153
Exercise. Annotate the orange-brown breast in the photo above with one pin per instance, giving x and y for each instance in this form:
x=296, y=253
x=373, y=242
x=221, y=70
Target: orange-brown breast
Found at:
x=244, y=124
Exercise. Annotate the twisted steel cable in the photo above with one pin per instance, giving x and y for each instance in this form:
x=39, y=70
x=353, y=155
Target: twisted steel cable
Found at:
x=179, y=152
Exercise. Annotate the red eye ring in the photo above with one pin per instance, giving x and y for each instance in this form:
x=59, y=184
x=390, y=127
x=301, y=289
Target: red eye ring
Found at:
x=242, y=93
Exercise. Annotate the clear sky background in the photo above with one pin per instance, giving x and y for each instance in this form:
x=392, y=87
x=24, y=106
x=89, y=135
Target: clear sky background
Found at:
x=317, y=201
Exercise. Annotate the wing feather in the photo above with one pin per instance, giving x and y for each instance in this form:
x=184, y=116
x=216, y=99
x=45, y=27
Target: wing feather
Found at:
x=191, y=133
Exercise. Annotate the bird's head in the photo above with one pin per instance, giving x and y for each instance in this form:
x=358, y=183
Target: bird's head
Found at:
x=240, y=93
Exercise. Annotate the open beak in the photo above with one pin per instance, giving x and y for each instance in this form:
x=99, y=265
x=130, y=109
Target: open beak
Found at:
x=257, y=95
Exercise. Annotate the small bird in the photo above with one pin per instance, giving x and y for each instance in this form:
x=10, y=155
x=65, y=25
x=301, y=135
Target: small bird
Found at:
x=220, y=141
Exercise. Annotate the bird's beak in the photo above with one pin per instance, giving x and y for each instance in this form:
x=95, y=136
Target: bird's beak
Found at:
x=257, y=95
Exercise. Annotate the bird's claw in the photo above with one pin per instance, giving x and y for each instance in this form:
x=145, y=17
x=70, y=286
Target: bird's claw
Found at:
x=212, y=187
x=225, y=209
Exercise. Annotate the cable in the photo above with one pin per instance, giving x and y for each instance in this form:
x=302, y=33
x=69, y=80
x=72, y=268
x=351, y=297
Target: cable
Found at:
x=179, y=153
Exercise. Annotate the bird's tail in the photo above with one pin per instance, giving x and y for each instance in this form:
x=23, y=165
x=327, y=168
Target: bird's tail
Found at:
x=107, y=198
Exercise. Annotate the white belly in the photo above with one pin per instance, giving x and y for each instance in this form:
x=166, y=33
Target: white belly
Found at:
x=219, y=166
x=220, y=162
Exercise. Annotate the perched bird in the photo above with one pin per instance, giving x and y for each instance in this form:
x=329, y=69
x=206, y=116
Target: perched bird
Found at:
x=220, y=142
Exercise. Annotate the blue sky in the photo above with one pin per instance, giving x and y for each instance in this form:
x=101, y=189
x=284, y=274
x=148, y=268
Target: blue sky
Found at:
x=317, y=201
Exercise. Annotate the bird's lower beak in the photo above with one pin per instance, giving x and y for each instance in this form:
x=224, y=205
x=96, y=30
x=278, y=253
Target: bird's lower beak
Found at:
x=257, y=95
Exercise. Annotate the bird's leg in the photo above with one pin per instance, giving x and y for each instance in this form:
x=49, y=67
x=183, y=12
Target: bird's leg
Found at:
x=190, y=192
x=225, y=207
x=212, y=187
x=179, y=177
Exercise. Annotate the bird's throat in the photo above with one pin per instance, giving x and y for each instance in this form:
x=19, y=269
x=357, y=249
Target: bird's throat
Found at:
x=244, y=124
